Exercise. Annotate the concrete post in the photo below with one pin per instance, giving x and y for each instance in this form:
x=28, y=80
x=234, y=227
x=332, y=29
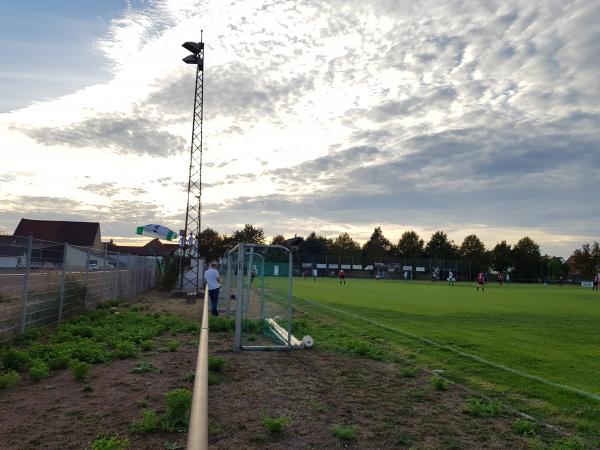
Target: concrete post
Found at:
x=62, y=283
x=25, y=292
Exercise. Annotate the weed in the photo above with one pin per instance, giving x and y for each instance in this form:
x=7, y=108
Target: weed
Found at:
x=189, y=377
x=174, y=446
x=39, y=370
x=141, y=403
x=524, y=427
x=109, y=443
x=221, y=324
x=275, y=425
x=16, y=360
x=147, y=345
x=59, y=362
x=149, y=422
x=439, y=384
x=9, y=379
x=125, y=349
x=216, y=363
x=80, y=370
x=87, y=387
x=145, y=367
x=482, y=408
x=318, y=406
x=172, y=345
x=177, y=415
x=214, y=378
x=251, y=338
x=344, y=432
x=568, y=444
x=408, y=372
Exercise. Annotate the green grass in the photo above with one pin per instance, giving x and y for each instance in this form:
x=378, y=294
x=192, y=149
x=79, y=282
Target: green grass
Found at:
x=544, y=331
x=344, y=432
x=275, y=425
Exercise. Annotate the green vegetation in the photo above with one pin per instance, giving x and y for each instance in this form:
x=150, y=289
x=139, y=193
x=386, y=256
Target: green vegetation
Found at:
x=149, y=422
x=39, y=370
x=216, y=363
x=145, y=367
x=172, y=345
x=482, y=408
x=524, y=427
x=176, y=417
x=9, y=379
x=275, y=425
x=93, y=338
x=344, y=432
x=109, y=443
x=439, y=384
x=80, y=370
x=526, y=328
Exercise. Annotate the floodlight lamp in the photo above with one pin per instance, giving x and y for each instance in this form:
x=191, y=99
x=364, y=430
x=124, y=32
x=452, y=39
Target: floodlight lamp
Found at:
x=194, y=47
x=191, y=59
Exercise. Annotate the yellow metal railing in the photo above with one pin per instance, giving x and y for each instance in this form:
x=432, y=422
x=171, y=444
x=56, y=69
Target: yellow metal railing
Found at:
x=198, y=429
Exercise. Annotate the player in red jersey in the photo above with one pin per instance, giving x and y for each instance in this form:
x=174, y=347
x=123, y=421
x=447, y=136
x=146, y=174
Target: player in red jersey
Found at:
x=342, y=276
x=481, y=281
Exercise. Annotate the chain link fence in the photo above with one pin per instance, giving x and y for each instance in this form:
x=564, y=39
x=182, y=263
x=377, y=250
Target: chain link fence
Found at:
x=43, y=282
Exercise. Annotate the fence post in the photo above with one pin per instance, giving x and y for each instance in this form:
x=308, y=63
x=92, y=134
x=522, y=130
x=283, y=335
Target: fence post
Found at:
x=87, y=276
x=25, y=292
x=62, y=283
x=134, y=273
x=142, y=287
x=103, y=278
x=228, y=285
x=289, y=305
x=239, y=295
x=116, y=291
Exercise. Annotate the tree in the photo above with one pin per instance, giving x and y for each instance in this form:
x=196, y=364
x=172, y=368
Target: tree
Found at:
x=502, y=257
x=315, y=245
x=249, y=235
x=440, y=247
x=587, y=259
x=211, y=244
x=344, y=245
x=527, y=259
x=410, y=245
x=474, y=250
x=278, y=240
x=377, y=246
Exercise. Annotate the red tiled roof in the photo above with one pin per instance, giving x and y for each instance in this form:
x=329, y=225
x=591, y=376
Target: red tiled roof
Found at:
x=76, y=233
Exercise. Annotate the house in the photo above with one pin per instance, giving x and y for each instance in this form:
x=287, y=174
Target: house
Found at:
x=153, y=248
x=84, y=234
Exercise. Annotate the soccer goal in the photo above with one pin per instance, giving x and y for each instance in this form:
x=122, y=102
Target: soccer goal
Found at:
x=258, y=290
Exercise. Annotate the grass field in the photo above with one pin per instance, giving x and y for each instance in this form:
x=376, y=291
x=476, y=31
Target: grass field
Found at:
x=551, y=334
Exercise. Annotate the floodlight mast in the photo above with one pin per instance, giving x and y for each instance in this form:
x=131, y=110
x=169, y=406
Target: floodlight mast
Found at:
x=190, y=279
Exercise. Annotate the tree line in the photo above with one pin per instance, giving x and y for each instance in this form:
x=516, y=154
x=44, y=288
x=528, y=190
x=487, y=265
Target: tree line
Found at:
x=524, y=259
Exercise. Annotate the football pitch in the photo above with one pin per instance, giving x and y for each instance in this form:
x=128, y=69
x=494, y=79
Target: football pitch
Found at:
x=537, y=346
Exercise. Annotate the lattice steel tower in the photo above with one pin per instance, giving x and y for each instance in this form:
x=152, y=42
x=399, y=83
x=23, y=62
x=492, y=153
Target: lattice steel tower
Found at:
x=190, y=278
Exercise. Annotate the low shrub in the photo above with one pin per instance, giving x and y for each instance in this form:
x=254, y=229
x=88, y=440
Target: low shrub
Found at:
x=145, y=367
x=39, y=370
x=568, y=444
x=220, y=324
x=16, y=360
x=9, y=379
x=216, y=363
x=80, y=370
x=149, y=422
x=275, y=425
x=439, y=384
x=344, y=432
x=483, y=408
x=524, y=427
x=109, y=443
x=177, y=415
x=408, y=372
x=147, y=345
x=59, y=362
x=172, y=345
x=125, y=350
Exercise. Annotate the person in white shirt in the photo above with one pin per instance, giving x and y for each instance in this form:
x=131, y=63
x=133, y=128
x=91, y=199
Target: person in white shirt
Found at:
x=213, y=283
x=315, y=272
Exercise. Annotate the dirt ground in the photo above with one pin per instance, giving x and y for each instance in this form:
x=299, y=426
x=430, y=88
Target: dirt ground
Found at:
x=314, y=388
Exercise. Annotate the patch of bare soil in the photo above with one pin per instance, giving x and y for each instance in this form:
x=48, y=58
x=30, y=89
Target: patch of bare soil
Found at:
x=315, y=389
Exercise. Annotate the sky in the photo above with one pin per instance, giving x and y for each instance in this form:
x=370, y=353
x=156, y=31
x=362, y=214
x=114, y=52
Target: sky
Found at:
x=334, y=116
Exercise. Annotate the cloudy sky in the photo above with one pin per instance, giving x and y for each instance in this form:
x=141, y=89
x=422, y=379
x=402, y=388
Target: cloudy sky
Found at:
x=468, y=116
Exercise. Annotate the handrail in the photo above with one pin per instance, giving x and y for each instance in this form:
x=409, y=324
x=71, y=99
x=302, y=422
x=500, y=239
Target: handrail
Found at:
x=198, y=429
